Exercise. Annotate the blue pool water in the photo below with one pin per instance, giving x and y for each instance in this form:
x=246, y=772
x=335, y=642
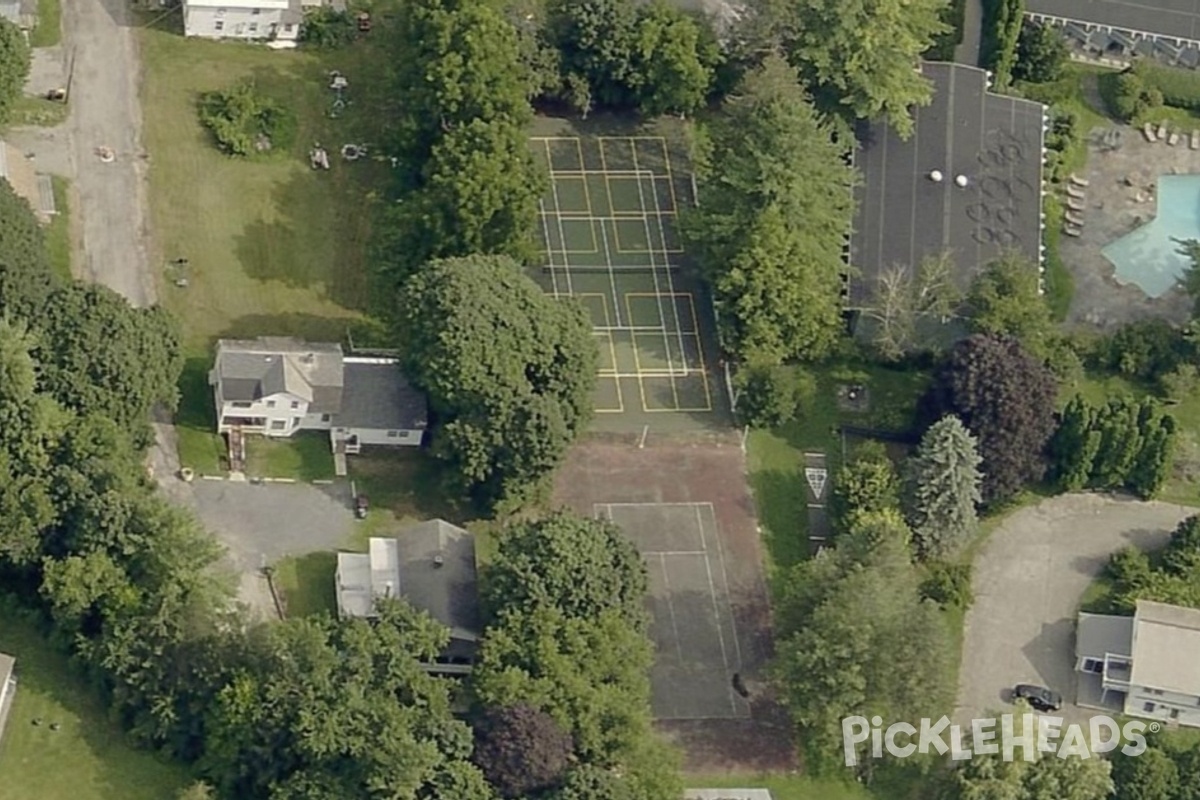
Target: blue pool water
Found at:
x=1149, y=256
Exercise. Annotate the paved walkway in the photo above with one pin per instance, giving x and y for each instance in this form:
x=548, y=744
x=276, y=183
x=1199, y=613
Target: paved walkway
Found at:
x=968, y=49
x=1028, y=583
x=105, y=112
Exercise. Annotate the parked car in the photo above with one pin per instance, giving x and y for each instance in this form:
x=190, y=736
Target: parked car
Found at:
x=1041, y=698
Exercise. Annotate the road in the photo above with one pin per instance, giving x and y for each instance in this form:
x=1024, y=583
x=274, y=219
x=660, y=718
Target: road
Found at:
x=105, y=112
x=1028, y=583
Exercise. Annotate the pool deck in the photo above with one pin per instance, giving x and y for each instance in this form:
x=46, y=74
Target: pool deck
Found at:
x=1111, y=210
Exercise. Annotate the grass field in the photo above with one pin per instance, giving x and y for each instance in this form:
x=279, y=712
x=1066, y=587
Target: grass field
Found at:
x=305, y=456
x=785, y=787
x=307, y=584
x=37, y=112
x=88, y=758
x=274, y=246
x=49, y=25
x=58, y=232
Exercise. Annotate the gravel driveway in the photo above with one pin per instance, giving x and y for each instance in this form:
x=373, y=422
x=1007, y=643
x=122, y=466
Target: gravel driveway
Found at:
x=1028, y=582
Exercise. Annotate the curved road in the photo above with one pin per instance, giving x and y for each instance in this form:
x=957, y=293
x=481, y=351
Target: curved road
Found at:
x=1028, y=582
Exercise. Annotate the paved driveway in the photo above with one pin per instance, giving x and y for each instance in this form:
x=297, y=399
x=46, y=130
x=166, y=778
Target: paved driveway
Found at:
x=1028, y=583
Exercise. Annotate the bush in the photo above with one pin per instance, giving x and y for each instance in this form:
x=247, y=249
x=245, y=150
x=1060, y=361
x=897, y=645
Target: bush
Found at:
x=1041, y=54
x=948, y=584
x=1174, y=87
x=245, y=122
x=1180, y=383
x=1145, y=350
x=771, y=396
x=326, y=28
x=1130, y=96
x=944, y=44
x=1001, y=29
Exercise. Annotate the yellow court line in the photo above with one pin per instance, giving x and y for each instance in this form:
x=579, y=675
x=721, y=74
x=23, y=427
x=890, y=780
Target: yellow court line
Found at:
x=607, y=188
x=579, y=151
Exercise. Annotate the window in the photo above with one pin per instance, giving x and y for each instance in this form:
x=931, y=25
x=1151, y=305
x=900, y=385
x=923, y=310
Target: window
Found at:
x=1094, y=665
x=1155, y=692
x=324, y=418
x=1174, y=713
x=254, y=29
x=220, y=12
x=295, y=403
x=278, y=424
x=239, y=403
x=255, y=11
x=393, y=434
x=219, y=26
x=287, y=27
x=270, y=404
x=1148, y=708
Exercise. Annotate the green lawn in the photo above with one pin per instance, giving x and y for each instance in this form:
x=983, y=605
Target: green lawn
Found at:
x=195, y=422
x=88, y=758
x=404, y=486
x=274, y=246
x=58, y=232
x=306, y=456
x=784, y=787
x=49, y=25
x=306, y=584
x=37, y=112
x=776, y=457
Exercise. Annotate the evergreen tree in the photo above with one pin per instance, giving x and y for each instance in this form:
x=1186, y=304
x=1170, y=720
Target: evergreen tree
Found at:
x=943, y=488
x=1074, y=445
x=1120, y=442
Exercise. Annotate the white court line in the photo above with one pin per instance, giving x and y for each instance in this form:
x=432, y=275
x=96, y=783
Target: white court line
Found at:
x=549, y=249
x=676, y=553
x=662, y=563
x=562, y=234
x=662, y=233
x=737, y=648
x=637, y=505
x=716, y=608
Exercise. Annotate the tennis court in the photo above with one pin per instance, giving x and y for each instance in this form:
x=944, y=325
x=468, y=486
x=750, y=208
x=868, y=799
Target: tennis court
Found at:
x=692, y=622
x=611, y=239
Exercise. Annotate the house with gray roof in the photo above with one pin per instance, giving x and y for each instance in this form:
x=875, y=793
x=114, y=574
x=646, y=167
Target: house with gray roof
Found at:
x=1144, y=665
x=276, y=386
x=432, y=566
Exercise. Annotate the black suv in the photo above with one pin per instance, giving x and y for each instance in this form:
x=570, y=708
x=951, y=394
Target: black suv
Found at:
x=1039, y=697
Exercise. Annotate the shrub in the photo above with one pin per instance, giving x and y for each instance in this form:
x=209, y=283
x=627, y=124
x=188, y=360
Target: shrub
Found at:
x=1180, y=383
x=245, y=122
x=944, y=44
x=1174, y=87
x=1041, y=54
x=1130, y=96
x=771, y=395
x=325, y=28
x=948, y=584
x=1145, y=350
x=1001, y=29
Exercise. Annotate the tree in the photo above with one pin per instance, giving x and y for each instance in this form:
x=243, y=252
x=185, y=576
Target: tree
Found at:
x=521, y=750
x=100, y=355
x=1004, y=301
x=864, y=53
x=676, y=69
x=770, y=221
x=1074, y=446
x=14, y=67
x=770, y=396
x=465, y=181
x=26, y=279
x=509, y=370
x=1001, y=30
x=1189, y=281
x=1069, y=779
x=943, y=488
x=1006, y=399
x=845, y=623
x=1041, y=54
x=867, y=482
x=578, y=565
x=245, y=122
x=904, y=299
x=1152, y=775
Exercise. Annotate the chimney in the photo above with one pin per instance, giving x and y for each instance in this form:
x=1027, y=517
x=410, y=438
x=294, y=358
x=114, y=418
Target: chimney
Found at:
x=961, y=181
x=439, y=560
x=935, y=176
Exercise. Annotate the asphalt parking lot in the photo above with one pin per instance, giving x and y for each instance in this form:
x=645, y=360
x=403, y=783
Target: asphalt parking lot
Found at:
x=1029, y=579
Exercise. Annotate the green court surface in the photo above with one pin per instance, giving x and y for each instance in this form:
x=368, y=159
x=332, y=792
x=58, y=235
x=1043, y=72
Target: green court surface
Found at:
x=611, y=240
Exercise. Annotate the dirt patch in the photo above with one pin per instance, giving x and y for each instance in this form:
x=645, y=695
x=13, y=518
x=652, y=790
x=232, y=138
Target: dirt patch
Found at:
x=708, y=469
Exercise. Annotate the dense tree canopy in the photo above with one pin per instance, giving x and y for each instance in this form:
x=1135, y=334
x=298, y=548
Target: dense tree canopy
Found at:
x=989, y=777
x=943, y=488
x=100, y=355
x=25, y=277
x=465, y=182
x=651, y=56
x=14, y=67
x=521, y=750
x=774, y=205
x=866, y=483
x=1006, y=398
x=579, y=653
x=580, y=566
x=863, y=53
x=509, y=370
x=1004, y=300
x=855, y=637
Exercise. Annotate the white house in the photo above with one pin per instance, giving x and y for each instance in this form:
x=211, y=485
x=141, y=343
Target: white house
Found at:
x=1144, y=665
x=243, y=19
x=432, y=566
x=275, y=386
x=8, y=687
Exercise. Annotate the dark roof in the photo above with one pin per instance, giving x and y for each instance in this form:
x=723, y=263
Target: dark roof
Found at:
x=437, y=574
x=254, y=369
x=376, y=395
x=904, y=215
x=1175, y=19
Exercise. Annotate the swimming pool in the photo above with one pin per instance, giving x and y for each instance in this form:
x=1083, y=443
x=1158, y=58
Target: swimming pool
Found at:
x=1149, y=257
